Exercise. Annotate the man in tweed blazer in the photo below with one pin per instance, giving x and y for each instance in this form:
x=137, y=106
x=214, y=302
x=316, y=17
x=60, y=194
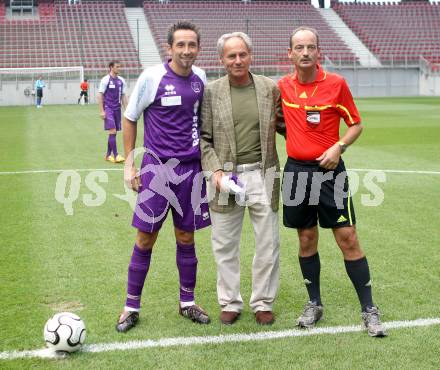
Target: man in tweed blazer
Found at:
x=241, y=113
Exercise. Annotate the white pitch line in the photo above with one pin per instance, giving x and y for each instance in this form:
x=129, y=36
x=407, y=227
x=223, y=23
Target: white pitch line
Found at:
x=394, y=171
x=219, y=339
x=121, y=169
x=56, y=171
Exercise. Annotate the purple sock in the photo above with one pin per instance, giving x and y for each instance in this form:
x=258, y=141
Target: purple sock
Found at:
x=137, y=272
x=109, y=145
x=186, y=261
x=112, y=143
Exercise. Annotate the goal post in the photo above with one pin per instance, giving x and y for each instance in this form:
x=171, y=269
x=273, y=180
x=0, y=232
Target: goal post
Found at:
x=17, y=84
x=48, y=73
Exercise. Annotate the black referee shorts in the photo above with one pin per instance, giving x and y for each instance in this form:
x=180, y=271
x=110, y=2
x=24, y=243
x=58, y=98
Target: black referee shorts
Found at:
x=312, y=193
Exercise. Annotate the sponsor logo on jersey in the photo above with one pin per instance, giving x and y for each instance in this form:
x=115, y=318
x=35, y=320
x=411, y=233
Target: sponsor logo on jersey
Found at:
x=170, y=101
x=313, y=117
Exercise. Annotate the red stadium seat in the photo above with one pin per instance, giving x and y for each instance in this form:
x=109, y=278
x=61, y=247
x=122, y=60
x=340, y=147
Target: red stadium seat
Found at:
x=395, y=33
x=68, y=35
x=269, y=24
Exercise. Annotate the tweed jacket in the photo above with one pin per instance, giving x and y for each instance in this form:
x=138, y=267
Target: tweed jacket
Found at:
x=218, y=144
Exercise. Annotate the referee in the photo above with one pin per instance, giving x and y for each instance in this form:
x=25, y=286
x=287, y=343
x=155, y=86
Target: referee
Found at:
x=315, y=184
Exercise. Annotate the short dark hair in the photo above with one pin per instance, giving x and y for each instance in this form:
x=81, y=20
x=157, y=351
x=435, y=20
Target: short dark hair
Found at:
x=304, y=28
x=113, y=62
x=182, y=25
x=85, y=80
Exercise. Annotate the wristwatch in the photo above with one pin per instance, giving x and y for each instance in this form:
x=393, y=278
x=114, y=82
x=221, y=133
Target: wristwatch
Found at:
x=343, y=146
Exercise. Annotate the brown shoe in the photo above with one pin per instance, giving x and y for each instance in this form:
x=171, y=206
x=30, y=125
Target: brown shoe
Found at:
x=264, y=317
x=229, y=317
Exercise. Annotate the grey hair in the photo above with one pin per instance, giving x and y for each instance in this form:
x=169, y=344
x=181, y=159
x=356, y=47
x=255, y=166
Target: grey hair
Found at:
x=241, y=35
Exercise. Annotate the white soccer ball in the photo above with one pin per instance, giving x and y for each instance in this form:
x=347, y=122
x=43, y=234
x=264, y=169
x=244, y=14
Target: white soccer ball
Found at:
x=64, y=332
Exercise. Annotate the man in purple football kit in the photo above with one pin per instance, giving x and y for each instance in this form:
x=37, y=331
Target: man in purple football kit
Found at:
x=111, y=94
x=169, y=95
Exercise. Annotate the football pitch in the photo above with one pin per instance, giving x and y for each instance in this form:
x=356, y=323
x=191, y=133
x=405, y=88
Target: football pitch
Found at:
x=66, y=240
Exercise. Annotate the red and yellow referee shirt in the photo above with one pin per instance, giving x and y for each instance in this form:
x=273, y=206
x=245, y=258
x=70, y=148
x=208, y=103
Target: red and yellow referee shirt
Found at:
x=313, y=111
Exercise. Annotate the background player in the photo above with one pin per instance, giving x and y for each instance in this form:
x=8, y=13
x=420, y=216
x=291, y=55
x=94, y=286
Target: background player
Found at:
x=169, y=96
x=111, y=94
x=39, y=85
x=84, y=86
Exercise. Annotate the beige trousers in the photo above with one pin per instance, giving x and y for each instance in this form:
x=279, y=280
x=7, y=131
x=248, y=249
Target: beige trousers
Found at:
x=225, y=237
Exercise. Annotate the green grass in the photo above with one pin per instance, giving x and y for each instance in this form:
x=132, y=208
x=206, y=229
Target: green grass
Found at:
x=51, y=261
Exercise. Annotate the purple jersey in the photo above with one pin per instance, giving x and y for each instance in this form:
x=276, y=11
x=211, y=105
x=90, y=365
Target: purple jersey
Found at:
x=112, y=89
x=171, y=107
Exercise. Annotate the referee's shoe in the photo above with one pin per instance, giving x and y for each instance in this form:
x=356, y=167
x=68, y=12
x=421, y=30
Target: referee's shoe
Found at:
x=371, y=318
x=311, y=314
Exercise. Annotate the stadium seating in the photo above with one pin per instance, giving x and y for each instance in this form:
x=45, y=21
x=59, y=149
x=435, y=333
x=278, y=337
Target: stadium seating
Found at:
x=269, y=24
x=88, y=34
x=396, y=33
x=95, y=31
x=2, y=11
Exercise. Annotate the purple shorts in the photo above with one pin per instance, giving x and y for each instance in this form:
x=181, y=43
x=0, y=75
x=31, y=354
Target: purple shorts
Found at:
x=177, y=185
x=112, y=119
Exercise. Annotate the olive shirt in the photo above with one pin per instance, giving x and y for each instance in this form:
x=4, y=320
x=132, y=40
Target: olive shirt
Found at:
x=246, y=124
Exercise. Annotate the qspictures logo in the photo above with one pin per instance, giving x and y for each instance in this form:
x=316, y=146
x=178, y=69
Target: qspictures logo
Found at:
x=70, y=184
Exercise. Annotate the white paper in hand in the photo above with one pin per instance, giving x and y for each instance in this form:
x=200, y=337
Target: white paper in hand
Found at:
x=228, y=185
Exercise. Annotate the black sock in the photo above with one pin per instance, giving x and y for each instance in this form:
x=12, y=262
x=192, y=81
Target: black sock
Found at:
x=359, y=274
x=311, y=269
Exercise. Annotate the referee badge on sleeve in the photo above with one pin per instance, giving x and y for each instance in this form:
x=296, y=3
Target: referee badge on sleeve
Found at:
x=313, y=118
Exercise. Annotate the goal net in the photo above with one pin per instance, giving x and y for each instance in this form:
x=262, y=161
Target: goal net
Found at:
x=18, y=83
x=48, y=73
